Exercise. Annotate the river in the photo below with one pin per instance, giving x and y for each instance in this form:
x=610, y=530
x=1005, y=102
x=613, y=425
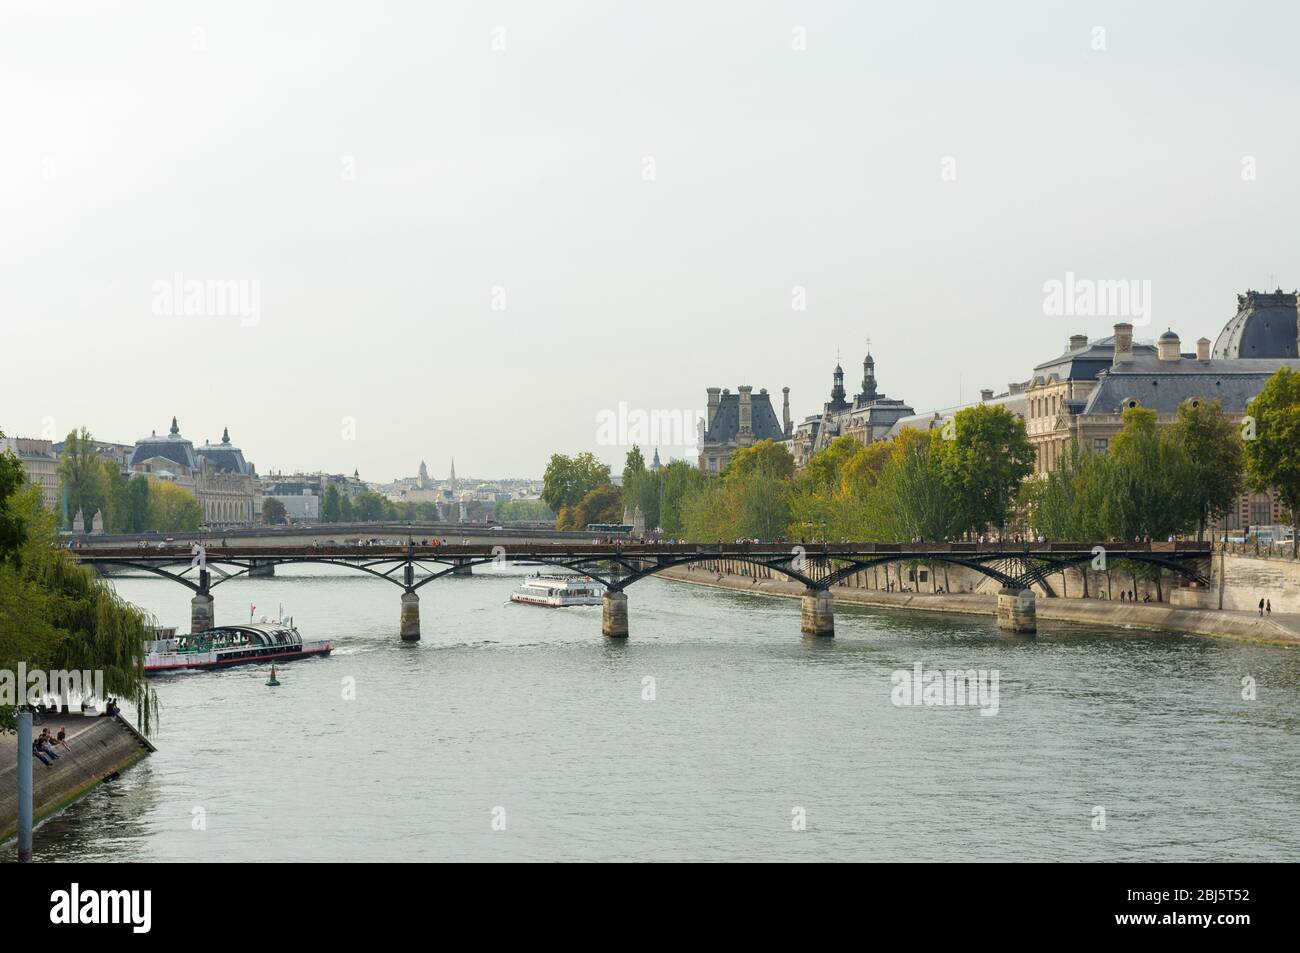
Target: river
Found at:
x=716, y=732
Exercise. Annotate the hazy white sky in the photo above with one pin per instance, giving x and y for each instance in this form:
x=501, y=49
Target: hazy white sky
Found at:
x=379, y=169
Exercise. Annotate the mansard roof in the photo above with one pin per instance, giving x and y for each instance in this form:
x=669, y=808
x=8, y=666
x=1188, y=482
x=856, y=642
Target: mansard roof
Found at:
x=1163, y=385
x=726, y=420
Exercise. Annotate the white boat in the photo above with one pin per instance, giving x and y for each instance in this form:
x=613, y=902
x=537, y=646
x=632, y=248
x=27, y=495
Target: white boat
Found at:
x=558, y=591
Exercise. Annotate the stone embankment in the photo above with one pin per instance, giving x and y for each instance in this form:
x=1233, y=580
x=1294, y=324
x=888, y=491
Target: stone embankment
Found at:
x=98, y=748
x=1277, y=629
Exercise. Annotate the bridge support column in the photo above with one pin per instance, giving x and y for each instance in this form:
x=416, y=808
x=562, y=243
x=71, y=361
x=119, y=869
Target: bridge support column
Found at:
x=410, y=616
x=463, y=568
x=260, y=570
x=613, y=616
x=817, y=616
x=201, y=614
x=1017, y=610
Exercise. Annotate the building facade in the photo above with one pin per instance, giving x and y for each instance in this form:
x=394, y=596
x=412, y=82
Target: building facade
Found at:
x=735, y=421
x=1081, y=395
x=224, y=483
x=869, y=417
x=40, y=465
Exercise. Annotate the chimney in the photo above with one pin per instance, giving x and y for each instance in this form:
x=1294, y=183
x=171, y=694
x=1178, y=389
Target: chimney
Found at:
x=1203, y=349
x=746, y=411
x=1168, y=346
x=986, y=393
x=714, y=402
x=1078, y=342
x=785, y=411
x=1123, y=343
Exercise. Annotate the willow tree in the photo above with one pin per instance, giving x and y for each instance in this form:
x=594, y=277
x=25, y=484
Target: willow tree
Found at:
x=56, y=614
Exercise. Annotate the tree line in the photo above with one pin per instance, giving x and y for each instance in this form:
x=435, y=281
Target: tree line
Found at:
x=965, y=479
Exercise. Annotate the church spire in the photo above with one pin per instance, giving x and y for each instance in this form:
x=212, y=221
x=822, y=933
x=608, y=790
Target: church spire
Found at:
x=175, y=431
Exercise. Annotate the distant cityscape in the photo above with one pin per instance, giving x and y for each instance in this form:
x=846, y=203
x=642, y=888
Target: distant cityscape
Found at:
x=1076, y=396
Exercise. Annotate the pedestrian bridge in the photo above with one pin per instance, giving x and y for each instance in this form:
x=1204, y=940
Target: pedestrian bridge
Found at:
x=1017, y=567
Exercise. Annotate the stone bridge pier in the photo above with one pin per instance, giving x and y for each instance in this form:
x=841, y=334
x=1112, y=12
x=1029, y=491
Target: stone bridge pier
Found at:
x=202, y=616
x=817, y=613
x=613, y=614
x=1017, y=610
x=410, y=624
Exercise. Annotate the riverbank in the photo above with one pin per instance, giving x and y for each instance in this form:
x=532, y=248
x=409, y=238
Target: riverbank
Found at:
x=1243, y=626
x=98, y=748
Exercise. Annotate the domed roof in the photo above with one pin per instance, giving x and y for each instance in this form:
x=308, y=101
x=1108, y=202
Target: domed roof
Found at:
x=172, y=447
x=1169, y=335
x=1265, y=326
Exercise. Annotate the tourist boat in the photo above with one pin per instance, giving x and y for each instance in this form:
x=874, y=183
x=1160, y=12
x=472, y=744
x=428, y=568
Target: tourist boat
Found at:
x=229, y=645
x=558, y=591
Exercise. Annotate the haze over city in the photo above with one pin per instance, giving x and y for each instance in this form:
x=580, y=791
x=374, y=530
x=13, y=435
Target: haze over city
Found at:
x=467, y=219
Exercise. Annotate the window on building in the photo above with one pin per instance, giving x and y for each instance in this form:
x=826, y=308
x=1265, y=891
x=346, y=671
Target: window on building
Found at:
x=1100, y=444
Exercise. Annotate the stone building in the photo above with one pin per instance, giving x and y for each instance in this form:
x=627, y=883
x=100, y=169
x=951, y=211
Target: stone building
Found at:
x=735, y=421
x=868, y=417
x=225, y=484
x=40, y=465
x=1081, y=395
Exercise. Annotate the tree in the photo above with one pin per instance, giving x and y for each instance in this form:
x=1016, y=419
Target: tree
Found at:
x=522, y=511
x=1214, y=453
x=767, y=457
x=913, y=497
x=172, y=509
x=330, y=507
x=984, y=463
x=346, y=514
x=603, y=504
x=273, y=513
x=368, y=507
x=137, y=491
x=58, y=615
x=1273, y=449
x=82, y=477
x=677, y=481
x=568, y=479
x=1148, y=482
x=13, y=531
x=117, y=499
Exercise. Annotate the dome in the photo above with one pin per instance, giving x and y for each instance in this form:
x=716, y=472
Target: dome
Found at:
x=1264, y=326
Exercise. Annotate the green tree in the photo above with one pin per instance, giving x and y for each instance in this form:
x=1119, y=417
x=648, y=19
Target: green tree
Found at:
x=58, y=615
x=984, y=463
x=172, y=509
x=677, y=480
x=82, y=476
x=330, y=508
x=137, y=491
x=369, y=507
x=1273, y=452
x=273, y=513
x=346, y=514
x=522, y=511
x=1214, y=453
x=913, y=497
x=568, y=479
x=603, y=504
x=767, y=457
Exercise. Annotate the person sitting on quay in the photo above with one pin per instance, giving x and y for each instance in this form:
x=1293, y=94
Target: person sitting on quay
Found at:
x=43, y=752
x=61, y=739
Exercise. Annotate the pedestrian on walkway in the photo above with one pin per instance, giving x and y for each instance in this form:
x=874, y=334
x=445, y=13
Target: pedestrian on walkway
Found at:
x=1261, y=608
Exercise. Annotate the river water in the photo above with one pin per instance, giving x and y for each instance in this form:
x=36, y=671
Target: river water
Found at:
x=716, y=732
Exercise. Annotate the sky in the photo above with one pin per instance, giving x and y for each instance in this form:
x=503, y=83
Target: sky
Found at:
x=477, y=230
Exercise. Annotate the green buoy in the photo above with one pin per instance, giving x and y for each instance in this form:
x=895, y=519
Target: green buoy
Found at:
x=272, y=681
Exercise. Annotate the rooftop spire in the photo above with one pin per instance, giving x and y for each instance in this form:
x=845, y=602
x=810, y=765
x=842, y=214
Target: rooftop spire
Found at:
x=175, y=430
x=225, y=435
